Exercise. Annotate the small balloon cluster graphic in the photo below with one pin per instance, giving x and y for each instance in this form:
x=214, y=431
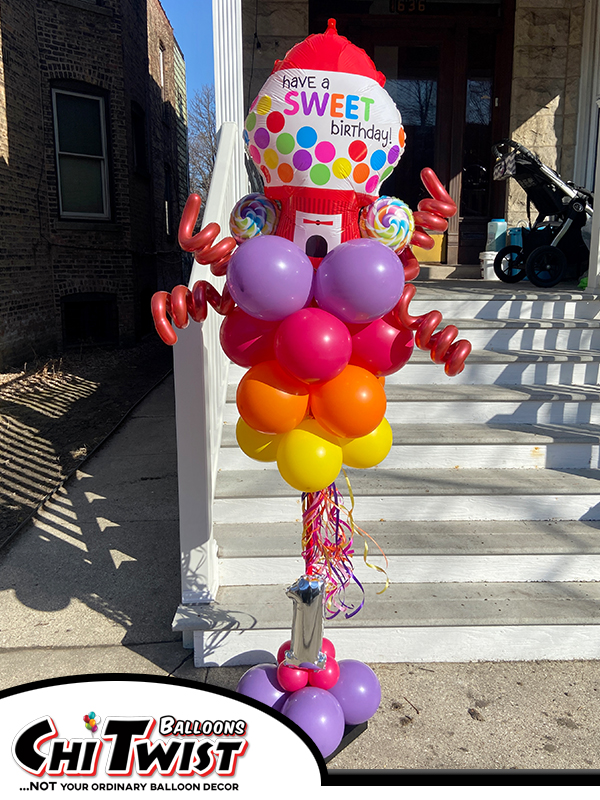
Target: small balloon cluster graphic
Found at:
x=320, y=701
x=91, y=721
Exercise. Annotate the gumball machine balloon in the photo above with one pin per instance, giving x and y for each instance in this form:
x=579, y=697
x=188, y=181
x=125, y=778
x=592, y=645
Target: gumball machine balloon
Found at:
x=316, y=308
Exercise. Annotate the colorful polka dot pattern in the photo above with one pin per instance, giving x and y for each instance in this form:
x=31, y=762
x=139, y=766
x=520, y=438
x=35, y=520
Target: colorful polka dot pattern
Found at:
x=290, y=151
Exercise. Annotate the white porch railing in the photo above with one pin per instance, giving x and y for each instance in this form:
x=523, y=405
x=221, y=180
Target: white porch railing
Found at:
x=201, y=370
x=200, y=366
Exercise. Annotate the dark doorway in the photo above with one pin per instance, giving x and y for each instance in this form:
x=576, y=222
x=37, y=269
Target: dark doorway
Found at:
x=448, y=67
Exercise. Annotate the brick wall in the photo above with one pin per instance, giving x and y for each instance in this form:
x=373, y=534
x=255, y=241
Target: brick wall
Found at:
x=107, y=49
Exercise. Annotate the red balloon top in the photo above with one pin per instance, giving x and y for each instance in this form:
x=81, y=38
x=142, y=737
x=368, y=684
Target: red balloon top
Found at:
x=330, y=52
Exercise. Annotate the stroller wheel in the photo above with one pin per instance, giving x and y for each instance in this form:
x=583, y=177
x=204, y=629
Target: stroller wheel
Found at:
x=546, y=266
x=508, y=264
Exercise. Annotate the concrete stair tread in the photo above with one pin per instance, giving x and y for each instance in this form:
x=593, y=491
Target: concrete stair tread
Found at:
x=477, y=434
x=516, y=356
x=492, y=392
x=485, y=290
x=437, y=537
x=380, y=482
x=527, y=324
x=264, y=607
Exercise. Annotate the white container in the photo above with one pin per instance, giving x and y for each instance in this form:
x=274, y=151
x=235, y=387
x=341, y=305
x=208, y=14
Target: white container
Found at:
x=496, y=235
x=486, y=262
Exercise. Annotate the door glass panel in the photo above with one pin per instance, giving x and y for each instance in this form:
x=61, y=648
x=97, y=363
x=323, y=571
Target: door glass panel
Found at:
x=412, y=82
x=477, y=157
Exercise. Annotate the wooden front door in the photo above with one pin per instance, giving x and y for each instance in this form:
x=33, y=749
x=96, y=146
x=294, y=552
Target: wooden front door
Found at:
x=449, y=75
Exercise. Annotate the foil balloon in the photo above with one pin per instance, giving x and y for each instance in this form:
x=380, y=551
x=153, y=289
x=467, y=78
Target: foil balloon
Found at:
x=307, y=594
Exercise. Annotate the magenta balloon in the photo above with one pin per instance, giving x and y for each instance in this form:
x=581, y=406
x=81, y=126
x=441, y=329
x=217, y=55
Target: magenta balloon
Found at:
x=357, y=691
x=270, y=277
x=359, y=281
x=313, y=345
x=260, y=682
x=247, y=340
x=319, y=715
x=381, y=348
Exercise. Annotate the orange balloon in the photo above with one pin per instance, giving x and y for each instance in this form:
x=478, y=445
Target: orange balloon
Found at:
x=351, y=404
x=270, y=400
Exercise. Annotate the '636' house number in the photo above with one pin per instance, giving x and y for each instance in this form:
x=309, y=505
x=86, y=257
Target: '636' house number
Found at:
x=407, y=6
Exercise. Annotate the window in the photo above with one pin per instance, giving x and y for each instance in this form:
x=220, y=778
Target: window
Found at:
x=81, y=154
x=161, y=63
x=168, y=202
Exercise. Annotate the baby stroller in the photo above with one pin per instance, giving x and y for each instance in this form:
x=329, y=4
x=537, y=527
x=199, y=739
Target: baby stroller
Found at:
x=553, y=248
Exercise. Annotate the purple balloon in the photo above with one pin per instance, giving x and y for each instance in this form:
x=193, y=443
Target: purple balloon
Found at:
x=260, y=683
x=357, y=691
x=359, y=281
x=270, y=277
x=319, y=715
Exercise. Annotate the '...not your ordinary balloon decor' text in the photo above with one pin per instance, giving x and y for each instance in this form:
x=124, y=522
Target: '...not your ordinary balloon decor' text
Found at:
x=315, y=307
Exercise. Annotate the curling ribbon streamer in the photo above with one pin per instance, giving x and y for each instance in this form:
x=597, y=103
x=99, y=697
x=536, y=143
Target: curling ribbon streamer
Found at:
x=328, y=547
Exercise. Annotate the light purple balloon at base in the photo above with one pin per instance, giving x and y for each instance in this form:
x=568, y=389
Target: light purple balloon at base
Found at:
x=358, y=691
x=270, y=277
x=319, y=715
x=260, y=683
x=359, y=281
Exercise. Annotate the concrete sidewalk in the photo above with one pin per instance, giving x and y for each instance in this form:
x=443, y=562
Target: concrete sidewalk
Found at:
x=92, y=583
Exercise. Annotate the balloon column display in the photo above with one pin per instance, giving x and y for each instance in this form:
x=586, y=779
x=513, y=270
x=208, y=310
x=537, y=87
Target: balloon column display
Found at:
x=316, y=309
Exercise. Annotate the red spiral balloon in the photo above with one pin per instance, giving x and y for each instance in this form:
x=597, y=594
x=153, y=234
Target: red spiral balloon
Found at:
x=181, y=304
x=432, y=212
x=443, y=348
x=202, y=244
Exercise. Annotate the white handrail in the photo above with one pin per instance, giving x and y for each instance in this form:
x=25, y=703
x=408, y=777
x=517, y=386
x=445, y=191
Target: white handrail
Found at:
x=201, y=370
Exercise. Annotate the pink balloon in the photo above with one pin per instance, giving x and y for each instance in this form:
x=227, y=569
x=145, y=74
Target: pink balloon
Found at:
x=313, y=345
x=282, y=650
x=325, y=678
x=328, y=648
x=291, y=679
x=247, y=340
x=380, y=347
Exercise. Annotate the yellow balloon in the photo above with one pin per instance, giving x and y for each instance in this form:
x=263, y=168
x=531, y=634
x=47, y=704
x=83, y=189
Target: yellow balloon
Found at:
x=259, y=446
x=309, y=457
x=367, y=451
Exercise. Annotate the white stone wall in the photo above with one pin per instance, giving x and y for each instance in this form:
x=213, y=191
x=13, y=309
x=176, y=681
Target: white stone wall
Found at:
x=545, y=87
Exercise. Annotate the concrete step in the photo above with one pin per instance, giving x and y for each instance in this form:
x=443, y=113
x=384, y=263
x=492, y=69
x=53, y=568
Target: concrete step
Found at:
x=480, y=300
x=423, y=552
x=492, y=446
x=513, y=334
x=426, y=538
x=413, y=622
x=421, y=494
x=488, y=366
x=456, y=403
x=440, y=272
